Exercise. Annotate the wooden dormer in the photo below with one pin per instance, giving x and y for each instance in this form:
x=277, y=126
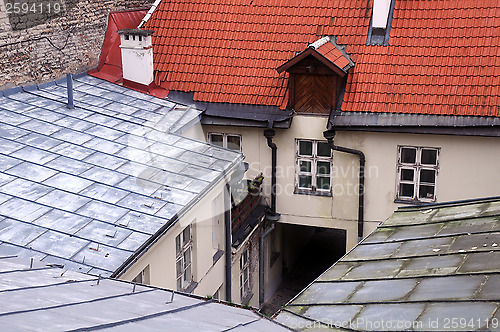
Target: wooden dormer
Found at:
x=316, y=75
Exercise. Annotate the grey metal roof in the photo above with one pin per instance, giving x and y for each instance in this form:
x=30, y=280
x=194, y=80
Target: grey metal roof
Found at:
x=44, y=298
x=87, y=187
x=415, y=123
x=425, y=268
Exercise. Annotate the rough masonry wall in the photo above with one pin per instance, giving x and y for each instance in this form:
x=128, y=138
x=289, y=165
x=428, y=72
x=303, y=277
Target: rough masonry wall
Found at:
x=42, y=40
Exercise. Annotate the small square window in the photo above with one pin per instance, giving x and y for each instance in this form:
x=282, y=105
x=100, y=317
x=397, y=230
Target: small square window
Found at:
x=234, y=142
x=228, y=141
x=417, y=174
x=217, y=139
x=314, y=167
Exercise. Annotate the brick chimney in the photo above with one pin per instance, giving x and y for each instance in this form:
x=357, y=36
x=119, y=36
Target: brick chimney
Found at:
x=137, y=57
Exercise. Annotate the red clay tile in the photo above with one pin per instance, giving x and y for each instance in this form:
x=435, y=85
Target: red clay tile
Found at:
x=441, y=58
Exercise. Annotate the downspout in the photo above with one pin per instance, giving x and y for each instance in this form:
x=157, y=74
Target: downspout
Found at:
x=227, y=227
x=329, y=135
x=271, y=216
x=269, y=134
x=261, y=263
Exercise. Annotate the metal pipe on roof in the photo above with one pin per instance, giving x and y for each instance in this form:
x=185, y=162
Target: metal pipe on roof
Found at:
x=69, y=88
x=329, y=135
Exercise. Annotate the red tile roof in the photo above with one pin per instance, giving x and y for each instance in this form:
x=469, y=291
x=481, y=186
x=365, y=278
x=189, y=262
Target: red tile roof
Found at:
x=327, y=52
x=443, y=55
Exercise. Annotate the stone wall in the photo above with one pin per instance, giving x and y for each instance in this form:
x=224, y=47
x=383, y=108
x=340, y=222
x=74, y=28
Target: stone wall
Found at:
x=42, y=40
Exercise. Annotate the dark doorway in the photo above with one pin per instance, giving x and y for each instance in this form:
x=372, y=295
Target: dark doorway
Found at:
x=307, y=253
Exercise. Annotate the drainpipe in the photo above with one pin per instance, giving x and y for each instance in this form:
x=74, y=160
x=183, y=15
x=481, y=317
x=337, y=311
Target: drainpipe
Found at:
x=227, y=226
x=261, y=263
x=69, y=88
x=269, y=134
x=271, y=216
x=329, y=135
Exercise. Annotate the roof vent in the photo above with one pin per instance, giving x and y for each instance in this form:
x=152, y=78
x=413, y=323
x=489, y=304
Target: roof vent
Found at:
x=137, y=56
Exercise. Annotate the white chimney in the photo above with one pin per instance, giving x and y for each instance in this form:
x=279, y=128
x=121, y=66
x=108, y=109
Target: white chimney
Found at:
x=137, y=55
x=380, y=13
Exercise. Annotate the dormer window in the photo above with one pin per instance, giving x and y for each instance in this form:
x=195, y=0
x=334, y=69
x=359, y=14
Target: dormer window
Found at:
x=316, y=76
x=380, y=24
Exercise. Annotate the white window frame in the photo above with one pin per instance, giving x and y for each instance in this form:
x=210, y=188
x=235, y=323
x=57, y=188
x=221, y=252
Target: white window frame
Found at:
x=314, y=159
x=244, y=274
x=224, y=139
x=416, y=167
x=184, y=258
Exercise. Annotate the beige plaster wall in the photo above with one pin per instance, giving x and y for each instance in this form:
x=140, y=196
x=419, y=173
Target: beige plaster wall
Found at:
x=469, y=167
x=334, y=212
x=161, y=257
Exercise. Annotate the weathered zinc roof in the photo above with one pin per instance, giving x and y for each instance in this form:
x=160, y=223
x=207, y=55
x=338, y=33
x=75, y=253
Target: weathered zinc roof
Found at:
x=45, y=298
x=87, y=187
x=425, y=268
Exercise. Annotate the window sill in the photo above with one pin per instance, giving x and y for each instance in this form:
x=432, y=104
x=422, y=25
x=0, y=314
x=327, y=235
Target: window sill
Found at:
x=313, y=193
x=413, y=202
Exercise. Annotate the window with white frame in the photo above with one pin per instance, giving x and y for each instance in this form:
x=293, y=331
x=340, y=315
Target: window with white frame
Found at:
x=228, y=141
x=314, y=166
x=417, y=173
x=244, y=274
x=184, y=249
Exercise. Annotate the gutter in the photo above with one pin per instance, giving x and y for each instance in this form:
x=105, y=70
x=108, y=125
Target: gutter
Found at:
x=329, y=135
